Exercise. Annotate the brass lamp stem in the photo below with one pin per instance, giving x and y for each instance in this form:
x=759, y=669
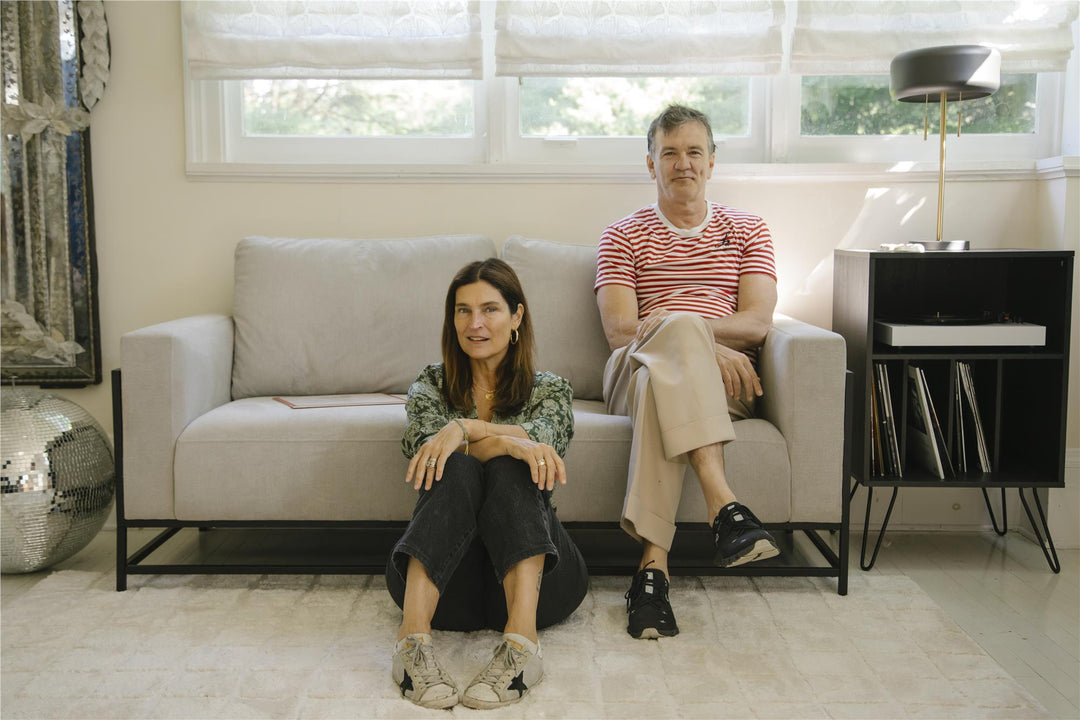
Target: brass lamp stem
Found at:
x=941, y=171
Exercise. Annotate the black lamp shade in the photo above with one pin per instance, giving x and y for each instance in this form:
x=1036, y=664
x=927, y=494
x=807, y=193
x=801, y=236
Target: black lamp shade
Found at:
x=963, y=72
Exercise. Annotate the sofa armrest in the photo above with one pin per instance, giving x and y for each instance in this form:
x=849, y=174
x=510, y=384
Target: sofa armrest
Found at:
x=172, y=373
x=802, y=374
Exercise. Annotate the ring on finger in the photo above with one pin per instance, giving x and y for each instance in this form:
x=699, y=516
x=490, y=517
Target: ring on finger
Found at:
x=541, y=462
x=430, y=462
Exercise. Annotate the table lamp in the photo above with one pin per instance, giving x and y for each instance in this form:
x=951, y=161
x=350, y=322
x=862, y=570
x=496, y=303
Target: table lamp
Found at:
x=944, y=74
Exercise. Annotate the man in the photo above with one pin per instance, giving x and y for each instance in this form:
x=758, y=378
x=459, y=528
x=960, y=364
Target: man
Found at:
x=686, y=290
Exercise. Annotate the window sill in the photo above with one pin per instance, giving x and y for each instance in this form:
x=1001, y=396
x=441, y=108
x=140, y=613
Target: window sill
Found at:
x=893, y=173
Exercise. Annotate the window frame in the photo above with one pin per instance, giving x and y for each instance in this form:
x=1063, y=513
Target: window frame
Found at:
x=215, y=148
x=236, y=148
x=790, y=145
x=611, y=151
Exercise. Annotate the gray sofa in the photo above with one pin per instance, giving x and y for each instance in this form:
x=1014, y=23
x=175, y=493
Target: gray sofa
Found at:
x=201, y=442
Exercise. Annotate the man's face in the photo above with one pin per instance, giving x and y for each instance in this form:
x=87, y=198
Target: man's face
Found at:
x=681, y=162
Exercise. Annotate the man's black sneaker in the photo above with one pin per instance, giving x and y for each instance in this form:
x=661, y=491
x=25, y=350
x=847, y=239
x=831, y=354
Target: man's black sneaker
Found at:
x=739, y=537
x=650, y=614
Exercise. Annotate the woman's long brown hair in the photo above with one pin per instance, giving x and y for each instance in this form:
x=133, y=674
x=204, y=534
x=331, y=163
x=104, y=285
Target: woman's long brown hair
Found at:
x=514, y=379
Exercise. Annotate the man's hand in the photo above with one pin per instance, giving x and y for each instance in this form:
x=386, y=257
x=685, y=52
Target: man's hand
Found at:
x=649, y=323
x=740, y=378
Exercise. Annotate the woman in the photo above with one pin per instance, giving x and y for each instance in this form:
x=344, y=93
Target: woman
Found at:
x=484, y=548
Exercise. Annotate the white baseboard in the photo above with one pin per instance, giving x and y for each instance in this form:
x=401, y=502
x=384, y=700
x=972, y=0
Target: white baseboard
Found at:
x=1062, y=507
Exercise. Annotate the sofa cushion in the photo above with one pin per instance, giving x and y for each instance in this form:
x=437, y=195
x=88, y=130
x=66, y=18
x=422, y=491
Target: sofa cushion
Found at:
x=326, y=316
x=558, y=282
x=346, y=464
x=341, y=463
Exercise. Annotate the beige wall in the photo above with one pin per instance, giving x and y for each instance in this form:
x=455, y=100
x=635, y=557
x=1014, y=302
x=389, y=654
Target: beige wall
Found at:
x=165, y=243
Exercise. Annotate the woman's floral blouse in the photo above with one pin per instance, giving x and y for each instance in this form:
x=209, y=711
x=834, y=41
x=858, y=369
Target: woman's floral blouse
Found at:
x=547, y=416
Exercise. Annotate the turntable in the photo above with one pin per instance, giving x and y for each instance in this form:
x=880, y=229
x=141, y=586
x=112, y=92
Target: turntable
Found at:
x=940, y=318
x=947, y=330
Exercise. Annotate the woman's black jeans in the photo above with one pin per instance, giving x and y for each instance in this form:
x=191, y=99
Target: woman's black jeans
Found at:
x=472, y=527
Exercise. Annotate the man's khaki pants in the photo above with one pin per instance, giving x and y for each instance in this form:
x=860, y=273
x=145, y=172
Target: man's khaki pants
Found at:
x=669, y=384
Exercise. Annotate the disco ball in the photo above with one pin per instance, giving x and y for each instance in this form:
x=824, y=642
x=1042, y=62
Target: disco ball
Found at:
x=56, y=479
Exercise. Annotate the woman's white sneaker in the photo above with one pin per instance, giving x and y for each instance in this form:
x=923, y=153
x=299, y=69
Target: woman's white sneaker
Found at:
x=417, y=672
x=516, y=667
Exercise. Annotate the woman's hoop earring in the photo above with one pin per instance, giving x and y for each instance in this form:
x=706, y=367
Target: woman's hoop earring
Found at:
x=514, y=336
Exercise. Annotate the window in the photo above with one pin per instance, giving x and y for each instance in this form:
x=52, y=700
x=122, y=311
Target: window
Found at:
x=545, y=121
x=582, y=122
x=622, y=107
x=845, y=118
x=358, y=108
x=574, y=85
x=602, y=120
x=342, y=124
x=351, y=122
x=861, y=105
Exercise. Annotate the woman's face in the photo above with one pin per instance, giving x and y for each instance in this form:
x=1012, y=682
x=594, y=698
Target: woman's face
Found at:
x=484, y=321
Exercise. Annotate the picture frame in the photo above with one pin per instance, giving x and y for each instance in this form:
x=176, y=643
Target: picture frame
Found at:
x=55, y=62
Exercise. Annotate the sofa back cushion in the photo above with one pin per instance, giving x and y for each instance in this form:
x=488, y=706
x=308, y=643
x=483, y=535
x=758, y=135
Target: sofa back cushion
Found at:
x=558, y=283
x=328, y=316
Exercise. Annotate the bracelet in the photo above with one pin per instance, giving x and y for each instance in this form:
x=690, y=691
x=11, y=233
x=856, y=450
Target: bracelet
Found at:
x=464, y=433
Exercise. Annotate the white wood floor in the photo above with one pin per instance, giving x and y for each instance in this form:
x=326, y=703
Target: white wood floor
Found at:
x=999, y=590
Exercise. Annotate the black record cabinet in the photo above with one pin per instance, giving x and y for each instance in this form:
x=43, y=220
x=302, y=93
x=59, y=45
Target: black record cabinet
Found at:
x=961, y=369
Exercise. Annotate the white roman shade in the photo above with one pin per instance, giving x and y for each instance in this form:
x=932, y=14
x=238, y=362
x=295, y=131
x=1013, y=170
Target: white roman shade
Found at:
x=861, y=38
x=638, y=38
x=247, y=39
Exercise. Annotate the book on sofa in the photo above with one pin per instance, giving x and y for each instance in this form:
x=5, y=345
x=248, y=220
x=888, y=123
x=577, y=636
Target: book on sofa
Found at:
x=298, y=402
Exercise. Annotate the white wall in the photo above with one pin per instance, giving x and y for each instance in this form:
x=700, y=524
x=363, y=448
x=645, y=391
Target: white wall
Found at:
x=1070, y=133
x=1061, y=208
x=165, y=243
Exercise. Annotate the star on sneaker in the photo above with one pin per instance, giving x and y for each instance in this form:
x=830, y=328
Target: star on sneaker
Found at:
x=739, y=537
x=418, y=673
x=517, y=665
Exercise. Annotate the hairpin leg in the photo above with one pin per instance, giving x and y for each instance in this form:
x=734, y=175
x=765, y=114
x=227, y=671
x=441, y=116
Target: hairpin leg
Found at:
x=866, y=528
x=1048, y=545
x=1004, y=512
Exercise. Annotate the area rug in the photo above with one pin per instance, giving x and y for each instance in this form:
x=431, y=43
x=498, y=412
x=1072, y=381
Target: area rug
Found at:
x=319, y=647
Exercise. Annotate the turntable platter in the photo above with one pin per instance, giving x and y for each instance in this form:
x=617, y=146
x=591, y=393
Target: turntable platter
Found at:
x=939, y=318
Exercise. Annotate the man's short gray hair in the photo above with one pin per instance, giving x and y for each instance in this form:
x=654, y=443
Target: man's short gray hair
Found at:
x=675, y=115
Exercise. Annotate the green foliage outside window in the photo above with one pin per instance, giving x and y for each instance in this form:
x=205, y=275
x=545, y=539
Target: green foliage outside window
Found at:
x=365, y=108
x=861, y=105
x=624, y=107
x=609, y=107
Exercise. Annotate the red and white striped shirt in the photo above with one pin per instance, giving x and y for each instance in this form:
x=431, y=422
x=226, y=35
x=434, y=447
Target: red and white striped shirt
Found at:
x=692, y=270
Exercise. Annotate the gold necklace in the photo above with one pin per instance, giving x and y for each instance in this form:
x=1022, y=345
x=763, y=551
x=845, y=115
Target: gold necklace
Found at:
x=488, y=394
